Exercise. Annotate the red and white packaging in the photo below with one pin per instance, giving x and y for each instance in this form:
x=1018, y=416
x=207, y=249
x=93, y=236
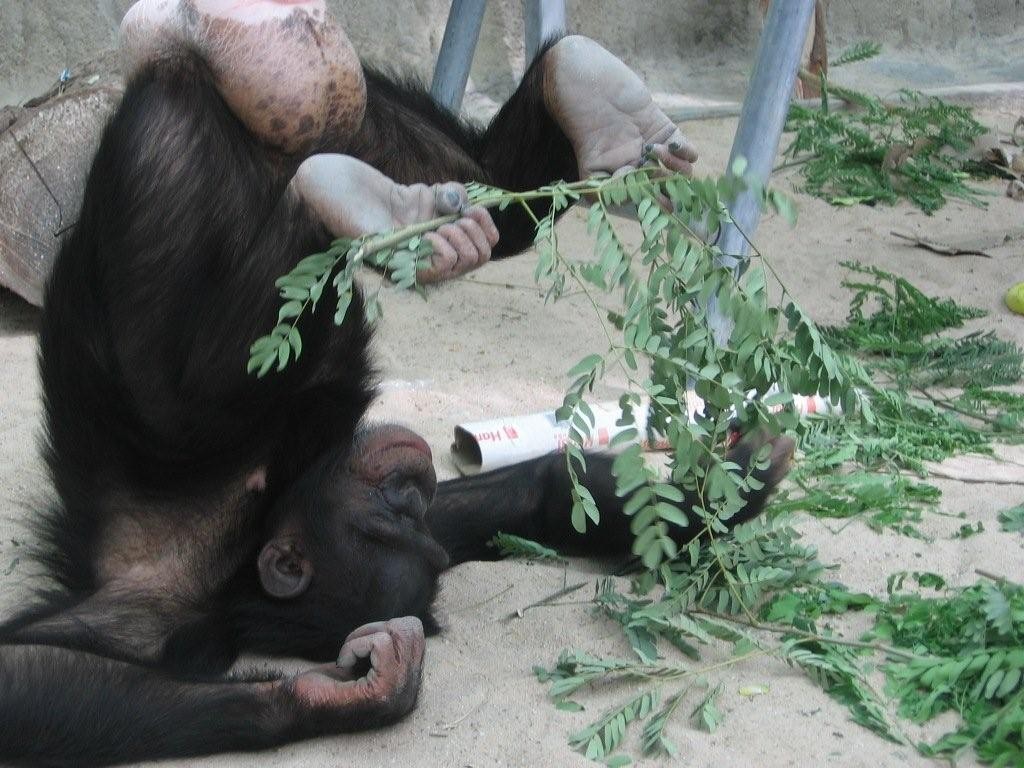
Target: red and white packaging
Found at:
x=485, y=445
x=481, y=446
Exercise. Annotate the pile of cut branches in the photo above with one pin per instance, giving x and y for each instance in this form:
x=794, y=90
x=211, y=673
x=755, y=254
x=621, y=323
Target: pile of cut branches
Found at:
x=917, y=148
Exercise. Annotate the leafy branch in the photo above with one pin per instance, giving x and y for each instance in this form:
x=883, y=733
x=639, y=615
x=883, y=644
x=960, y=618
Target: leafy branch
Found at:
x=880, y=152
x=759, y=580
x=302, y=288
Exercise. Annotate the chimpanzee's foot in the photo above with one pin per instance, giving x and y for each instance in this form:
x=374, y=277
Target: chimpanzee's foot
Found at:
x=354, y=199
x=607, y=112
x=283, y=67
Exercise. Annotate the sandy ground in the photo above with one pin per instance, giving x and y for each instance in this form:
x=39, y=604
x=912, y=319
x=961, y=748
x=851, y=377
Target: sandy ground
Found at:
x=488, y=345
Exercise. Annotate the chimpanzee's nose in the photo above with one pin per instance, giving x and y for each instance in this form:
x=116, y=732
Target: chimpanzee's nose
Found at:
x=408, y=494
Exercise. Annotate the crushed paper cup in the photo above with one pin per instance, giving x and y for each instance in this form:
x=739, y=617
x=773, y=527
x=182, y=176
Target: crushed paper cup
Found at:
x=481, y=446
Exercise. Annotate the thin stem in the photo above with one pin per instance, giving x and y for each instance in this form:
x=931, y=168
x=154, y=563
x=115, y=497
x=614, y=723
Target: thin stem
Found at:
x=948, y=404
x=518, y=613
x=888, y=650
x=992, y=576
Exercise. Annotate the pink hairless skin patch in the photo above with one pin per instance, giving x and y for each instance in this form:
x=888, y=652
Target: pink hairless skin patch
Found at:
x=283, y=67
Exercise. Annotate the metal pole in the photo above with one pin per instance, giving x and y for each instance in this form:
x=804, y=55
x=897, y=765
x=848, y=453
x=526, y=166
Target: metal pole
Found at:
x=760, y=128
x=456, y=56
x=544, y=20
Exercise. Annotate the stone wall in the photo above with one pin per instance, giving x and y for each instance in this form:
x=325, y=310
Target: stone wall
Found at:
x=676, y=45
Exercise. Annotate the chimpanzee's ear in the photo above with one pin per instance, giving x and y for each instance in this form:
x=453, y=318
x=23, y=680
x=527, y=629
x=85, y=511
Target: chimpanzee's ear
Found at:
x=285, y=572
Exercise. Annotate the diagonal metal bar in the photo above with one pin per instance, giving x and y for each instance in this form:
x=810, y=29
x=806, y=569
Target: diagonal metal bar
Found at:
x=544, y=20
x=760, y=127
x=456, y=56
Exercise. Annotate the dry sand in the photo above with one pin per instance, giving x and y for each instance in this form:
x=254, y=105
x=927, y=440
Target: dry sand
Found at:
x=488, y=345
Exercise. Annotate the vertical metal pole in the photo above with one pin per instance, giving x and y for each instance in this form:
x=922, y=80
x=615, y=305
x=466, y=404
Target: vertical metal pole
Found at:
x=456, y=56
x=760, y=128
x=544, y=20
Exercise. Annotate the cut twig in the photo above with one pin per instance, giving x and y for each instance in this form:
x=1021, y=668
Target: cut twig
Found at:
x=940, y=248
x=888, y=650
x=992, y=576
x=487, y=600
x=518, y=613
x=443, y=728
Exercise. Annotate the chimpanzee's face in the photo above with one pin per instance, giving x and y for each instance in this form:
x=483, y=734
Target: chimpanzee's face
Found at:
x=351, y=538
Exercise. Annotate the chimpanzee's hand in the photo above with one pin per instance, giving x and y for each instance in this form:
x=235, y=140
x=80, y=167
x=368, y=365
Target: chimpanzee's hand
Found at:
x=463, y=245
x=342, y=697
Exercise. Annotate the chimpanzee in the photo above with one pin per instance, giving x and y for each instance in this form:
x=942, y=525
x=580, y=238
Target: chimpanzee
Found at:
x=201, y=511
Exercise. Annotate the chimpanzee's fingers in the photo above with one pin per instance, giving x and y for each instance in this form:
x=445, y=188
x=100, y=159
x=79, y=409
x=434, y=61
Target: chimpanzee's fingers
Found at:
x=459, y=240
x=355, y=650
x=407, y=641
x=366, y=629
x=442, y=260
x=671, y=160
x=449, y=198
x=463, y=245
x=459, y=247
x=476, y=233
x=395, y=650
x=682, y=148
x=482, y=216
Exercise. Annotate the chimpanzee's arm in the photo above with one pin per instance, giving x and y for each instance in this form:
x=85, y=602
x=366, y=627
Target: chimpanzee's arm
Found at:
x=62, y=707
x=533, y=500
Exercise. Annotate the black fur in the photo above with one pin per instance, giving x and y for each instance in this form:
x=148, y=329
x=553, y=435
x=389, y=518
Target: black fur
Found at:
x=155, y=435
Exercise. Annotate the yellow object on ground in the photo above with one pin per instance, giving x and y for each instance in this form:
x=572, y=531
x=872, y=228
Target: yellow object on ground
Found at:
x=1015, y=298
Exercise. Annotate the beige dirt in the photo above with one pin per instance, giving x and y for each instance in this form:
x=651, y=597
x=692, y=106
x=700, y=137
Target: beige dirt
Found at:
x=488, y=345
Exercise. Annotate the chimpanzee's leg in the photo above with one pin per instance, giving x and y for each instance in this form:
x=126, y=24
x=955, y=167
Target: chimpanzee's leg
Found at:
x=409, y=138
x=578, y=111
x=289, y=74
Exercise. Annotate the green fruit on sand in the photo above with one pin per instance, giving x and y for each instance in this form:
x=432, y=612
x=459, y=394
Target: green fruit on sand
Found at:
x=1015, y=298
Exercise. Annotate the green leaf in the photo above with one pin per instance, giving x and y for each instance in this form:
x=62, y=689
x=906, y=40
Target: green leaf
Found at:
x=707, y=713
x=668, y=492
x=1012, y=520
x=516, y=546
x=778, y=398
x=578, y=518
x=585, y=366
x=641, y=496
x=288, y=310
x=295, y=340
x=625, y=437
